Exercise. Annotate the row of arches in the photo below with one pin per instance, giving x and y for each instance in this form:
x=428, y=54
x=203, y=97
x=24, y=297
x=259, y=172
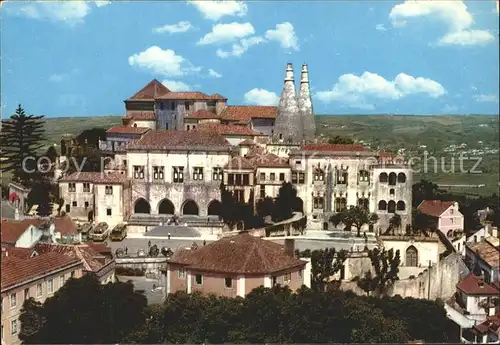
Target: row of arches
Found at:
x=392, y=178
x=166, y=207
x=391, y=206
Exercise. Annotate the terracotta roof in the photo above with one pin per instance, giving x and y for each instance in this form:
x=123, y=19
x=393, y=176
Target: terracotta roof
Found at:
x=238, y=163
x=203, y=114
x=473, y=285
x=150, y=92
x=487, y=252
x=434, y=208
x=20, y=253
x=247, y=112
x=256, y=151
x=92, y=260
x=65, y=225
x=334, y=147
x=492, y=324
x=16, y=270
x=96, y=177
x=270, y=160
x=218, y=96
x=247, y=142
x=227, y=129
x=187, y=95
x=127, y=130
x=11, y=230
x=180, y=140
x=240, y=254
x=141, y=116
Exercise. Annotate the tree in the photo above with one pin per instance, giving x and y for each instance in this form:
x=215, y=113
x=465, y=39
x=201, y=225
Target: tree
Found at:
x=337, y=218
x=359, y=216
x=425, y=190
x=85, y=312
x=424, y=221
x=229, y=208
x=394, y=223
x=285, y=203
x=324, y=264
x=265, y=207
x=40, y=195
x=340, y=140
x=21, y=137
x=386, y=268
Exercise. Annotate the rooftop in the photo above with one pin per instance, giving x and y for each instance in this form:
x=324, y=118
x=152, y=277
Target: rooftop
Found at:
x=222, y=129
x=180, y=140
x=127, y=130
x=488, y=250
x=434, y=208
x=141, y=116
x=239, y=254
x=150, y=92
x=245, y=113
x=334, y=147
x=473, y=285
x=492, y=324
x=187, y=95
x=16, y=270
x=203, y=114
x=11, y=230
x=96, y=177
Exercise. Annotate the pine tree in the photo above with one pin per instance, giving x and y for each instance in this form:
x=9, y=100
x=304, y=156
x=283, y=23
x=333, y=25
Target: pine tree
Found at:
x=21, y=137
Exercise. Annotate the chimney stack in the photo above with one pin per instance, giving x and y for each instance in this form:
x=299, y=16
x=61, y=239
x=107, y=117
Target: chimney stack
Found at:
x=290, y=247
x=306, y=107
x=289, y=73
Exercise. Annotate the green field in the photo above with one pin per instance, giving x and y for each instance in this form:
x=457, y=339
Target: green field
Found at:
x=381, y=132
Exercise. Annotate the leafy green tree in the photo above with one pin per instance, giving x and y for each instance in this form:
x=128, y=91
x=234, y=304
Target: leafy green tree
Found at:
x=286, y=202
x=229, y=208
x=40, y=195
x=21, y=138
x=265, y=207
x=386, y=268
x=340, y=140
x=324, y=264
x=425, y=190
x=337, y=218
x=359, y=216
x=85, y=312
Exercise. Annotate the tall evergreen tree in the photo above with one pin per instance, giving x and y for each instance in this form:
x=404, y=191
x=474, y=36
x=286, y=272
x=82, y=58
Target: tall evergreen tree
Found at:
x=20, y=138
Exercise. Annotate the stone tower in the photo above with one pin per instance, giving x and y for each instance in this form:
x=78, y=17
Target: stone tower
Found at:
x=288, y=124
x=305, y=106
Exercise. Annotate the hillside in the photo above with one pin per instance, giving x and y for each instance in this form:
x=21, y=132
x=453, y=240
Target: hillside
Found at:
x=414, y=133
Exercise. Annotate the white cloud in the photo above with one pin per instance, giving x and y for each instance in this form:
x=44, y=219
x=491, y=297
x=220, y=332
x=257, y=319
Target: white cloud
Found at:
x=163, y=62
x=240, y=48
x=214, y=74
x=223, y=33
x=487, y=98
x=214, y=10
x=181, y=26
x=69, y=12
x=176, y=86
x=261, y=97
x=358, y=91
x=449, y=109
x=60, y=77
x=453, y=13
x=285, y=35
x=380, y=27
x=467, y=37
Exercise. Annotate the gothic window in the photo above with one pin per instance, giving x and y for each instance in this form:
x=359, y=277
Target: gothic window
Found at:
x=342, y=176
x=391, y=206
x=364, y=176
x=138, y=172
x=411, y=256
x=318, y=203
x=178, y=174
x=392, y=179
x=198, y=174
x=383, y=178
x=158, y=173
x=319, y=175
x=401, y=206
x=217, y=174
x=340, y=204
x=108, y=190
x=401, y=178
x=382, y=205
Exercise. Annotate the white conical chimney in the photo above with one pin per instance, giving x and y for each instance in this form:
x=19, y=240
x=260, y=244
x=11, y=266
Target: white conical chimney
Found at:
x=306, y=107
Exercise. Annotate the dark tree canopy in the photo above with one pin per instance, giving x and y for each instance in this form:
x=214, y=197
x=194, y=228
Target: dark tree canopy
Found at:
x=340, y=140
x=385, y=265
x=21, y=138
x=286, y=202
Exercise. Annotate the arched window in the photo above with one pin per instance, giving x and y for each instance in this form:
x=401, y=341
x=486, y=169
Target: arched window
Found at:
x=318, y=203
x=401, y=178
x=190, y=207
x=383, y=178
x=364, y=176
x=391, y=206
x=392, y=179
x=411, y=256
x=214, y=208
x=340, y=204
x=142, y=206
x=401, y=206
x=325, y=226
x=166, y=207
x=382, y=205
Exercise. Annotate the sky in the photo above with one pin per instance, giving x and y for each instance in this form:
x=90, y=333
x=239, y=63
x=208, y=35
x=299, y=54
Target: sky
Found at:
x=73, y=58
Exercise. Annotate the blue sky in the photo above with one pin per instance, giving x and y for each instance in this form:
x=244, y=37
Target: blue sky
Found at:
x=419, y=57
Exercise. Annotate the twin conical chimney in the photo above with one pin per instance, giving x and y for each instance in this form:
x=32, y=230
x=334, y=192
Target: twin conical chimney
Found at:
x=288, y=125
x=306, y=107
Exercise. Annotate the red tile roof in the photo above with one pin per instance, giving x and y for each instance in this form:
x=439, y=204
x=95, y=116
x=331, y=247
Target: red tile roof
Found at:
x=270, y=160
x=180, y=140
x=16, y=270
x=150, y=92
x=492, y=324
x=96, y=177
x=473, y=285
x=20, y=253
x=127, y=130
x=334, y=147
x=227, y=129
x=187, y=95
x=218, y=96
x=239, y=163
x=240, y=254
x=434, y=208
x=247, y=112
x=65, y=225
x=487, y=252
x=141, y=116
x=11, y=230
x=203, y=114
x=247, y=142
